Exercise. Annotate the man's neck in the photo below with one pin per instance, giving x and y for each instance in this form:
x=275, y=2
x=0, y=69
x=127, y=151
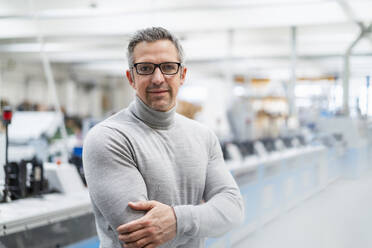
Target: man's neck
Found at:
x=153, y=118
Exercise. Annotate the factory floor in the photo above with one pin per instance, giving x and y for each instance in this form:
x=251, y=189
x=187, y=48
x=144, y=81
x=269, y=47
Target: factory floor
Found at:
x=338, y=217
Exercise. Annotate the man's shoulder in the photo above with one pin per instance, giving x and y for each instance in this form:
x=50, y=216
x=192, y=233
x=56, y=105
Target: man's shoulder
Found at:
x=119, y=122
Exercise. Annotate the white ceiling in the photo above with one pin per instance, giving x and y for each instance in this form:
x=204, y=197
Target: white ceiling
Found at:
x=253, y=35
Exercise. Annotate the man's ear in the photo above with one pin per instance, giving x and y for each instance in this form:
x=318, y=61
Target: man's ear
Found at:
x=130, y=77
x=183, y=75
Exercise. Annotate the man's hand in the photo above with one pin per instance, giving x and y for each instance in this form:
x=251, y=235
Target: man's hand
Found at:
x=155, y=228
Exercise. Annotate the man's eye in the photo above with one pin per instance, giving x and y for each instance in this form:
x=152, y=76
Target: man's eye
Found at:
x=145, y=68
x=169, y=67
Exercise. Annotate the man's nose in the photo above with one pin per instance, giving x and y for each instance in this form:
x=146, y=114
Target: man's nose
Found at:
x=157, y=76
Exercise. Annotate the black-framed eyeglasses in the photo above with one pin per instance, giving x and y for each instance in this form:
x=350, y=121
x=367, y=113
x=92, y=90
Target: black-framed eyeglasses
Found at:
x=147, y=68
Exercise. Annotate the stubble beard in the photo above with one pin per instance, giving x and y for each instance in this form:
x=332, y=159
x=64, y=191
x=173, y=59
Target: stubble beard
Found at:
x=160, y=103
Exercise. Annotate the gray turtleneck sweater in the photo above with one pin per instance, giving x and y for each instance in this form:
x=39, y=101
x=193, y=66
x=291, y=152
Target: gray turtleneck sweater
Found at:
x=142, y=154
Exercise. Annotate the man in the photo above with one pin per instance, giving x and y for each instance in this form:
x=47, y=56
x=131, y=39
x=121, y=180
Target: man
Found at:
x=156, y=178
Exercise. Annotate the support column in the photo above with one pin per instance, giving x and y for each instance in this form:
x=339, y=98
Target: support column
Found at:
x=367, y=94
x=292, y=81
x=345, y=84
x=229, y=56
x=1, y=79
x=47, y=68
x=70, y=97
x=96, y=100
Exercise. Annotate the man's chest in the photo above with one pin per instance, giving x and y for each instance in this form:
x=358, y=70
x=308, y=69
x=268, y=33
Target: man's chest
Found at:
x=172, y=165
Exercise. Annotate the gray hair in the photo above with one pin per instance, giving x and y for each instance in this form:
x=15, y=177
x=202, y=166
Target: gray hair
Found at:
x=151, y=35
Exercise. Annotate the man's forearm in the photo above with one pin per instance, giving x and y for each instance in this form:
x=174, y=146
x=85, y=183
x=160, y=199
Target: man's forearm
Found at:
x=213, y=218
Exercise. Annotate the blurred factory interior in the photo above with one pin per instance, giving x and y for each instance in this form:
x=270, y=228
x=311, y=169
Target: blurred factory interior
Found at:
x=285, y=85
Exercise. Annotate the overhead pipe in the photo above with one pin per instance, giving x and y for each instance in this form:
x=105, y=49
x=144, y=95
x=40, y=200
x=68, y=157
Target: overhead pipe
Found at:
x=346, y=74
x=351, y=15
x=363, y=31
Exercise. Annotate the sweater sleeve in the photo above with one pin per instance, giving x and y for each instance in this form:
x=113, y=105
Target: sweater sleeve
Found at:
x=223, y=208
x=112, y=175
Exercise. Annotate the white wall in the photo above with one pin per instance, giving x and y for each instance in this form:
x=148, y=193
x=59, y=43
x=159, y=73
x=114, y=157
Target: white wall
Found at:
x=12, y=88
x=82, y=104
x=123, y=93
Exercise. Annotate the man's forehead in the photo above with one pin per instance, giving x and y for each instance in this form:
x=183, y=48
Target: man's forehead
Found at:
x=155, y=49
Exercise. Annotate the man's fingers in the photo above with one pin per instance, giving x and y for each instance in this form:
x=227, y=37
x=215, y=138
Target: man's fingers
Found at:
x=142, y=205
x=155, y=228
x=137, y=235
x=133, y=226
x=139, y=243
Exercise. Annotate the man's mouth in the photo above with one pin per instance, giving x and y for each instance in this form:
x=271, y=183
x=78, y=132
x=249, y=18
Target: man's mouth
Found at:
x=157, y=91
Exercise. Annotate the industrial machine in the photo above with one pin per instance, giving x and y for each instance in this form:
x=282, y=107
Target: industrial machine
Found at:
x=43, y=204
x=21, y=182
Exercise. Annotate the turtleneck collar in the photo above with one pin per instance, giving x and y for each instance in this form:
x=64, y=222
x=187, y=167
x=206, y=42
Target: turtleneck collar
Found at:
x=151, y=117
